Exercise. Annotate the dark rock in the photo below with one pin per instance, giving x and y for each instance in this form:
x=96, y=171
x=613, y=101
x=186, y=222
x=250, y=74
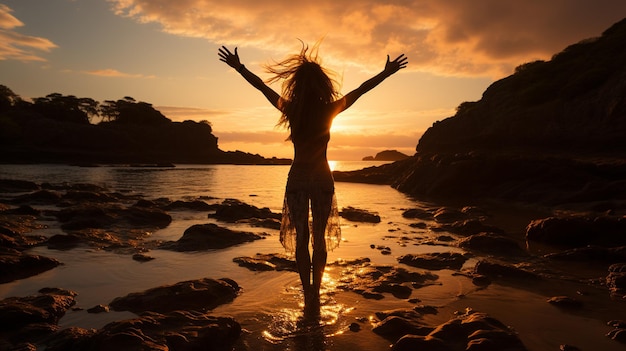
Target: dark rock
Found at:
x=81, y=196
x=371, y=282
x=411, y=342
x=616, y=280
x=405, y=314
x=89, y=216
x=445, y=238
x=266, y=262
x=231, y=210
x=195, y=205
x=141, y=257
x=178, y=330
x=418, y=213
x=565, y=302
x=481, y=280
x=146, y=217
x=16, y=265
x=209, y=236
x=24, y=210
x=202, y=294
x=396, y=289
x=618, y=334
x=98, y=309
x=577, y=231
x=86, y=216
x=469, y=227
x=448, y=215
x=496, y=270
x=15, y=185
x=435, y=261
x=46, y=308
x=422, y=309
x=271, y=223
x=354, y=327
x=400, y=275
x=358, y=215
x=591, y=253
x=44, y=197
x=617, y=323
x=254, y=264
x=74, y=187
x=12, y=228
x=472, y=331
x=363, y=261
x=419, y=225
x=394, y=327
x=63, y=241
x=491, y=243
x=384, y=174
x=162, y=202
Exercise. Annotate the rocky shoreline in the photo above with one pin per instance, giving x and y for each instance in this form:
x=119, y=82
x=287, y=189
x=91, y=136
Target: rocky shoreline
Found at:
x=179, y=316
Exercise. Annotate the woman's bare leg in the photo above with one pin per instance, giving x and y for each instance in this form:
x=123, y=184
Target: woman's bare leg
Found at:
x=320, y=208
x=299, y=212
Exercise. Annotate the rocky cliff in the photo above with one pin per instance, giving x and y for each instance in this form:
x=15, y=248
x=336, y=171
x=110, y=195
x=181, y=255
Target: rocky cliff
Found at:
x=574, y=103
x=553, y=132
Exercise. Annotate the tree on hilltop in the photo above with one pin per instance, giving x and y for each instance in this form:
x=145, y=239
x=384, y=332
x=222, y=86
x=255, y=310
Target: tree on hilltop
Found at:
x=129, y=111
x=66, y=108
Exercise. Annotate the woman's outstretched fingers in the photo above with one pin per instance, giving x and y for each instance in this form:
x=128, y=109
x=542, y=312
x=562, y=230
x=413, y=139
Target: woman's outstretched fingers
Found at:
x=232, y=59
x=397, y=64
x=402, y=61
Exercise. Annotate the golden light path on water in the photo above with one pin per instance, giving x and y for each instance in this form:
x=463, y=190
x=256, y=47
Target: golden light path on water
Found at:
x=291, y=322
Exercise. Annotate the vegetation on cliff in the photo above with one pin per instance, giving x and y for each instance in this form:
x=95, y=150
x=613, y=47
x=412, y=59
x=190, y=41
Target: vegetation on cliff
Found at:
x=59, y=128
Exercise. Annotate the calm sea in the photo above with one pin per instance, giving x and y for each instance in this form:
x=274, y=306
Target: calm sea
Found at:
x=271, y=302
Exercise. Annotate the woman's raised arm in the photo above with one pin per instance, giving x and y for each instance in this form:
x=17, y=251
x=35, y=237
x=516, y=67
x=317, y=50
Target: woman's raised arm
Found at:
x=232, y=59
x=391, y=67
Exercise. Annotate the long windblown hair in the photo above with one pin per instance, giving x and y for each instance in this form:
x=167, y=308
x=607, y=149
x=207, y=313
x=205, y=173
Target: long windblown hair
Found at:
x=307, y=91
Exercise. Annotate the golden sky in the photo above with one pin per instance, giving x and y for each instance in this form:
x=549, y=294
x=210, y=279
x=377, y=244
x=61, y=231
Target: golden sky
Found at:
x=165, y=53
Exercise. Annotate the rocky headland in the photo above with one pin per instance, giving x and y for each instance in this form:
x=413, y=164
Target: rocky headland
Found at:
x=552, y=134
x=387, y=155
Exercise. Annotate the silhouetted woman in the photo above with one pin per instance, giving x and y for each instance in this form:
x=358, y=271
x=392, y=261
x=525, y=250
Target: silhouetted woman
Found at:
x=310, y=101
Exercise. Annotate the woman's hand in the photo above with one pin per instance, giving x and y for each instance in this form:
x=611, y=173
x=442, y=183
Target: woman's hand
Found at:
x=231, y=59
x=394, y=66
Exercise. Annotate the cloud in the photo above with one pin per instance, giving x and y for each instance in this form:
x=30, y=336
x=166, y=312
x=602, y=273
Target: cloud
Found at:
x=7, y=21
x=179, y=114
x=450, y=37
x=109, y=72
x=16, y=46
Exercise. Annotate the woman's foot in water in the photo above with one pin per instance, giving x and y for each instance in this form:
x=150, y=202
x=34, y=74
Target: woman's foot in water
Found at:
x=311, y=303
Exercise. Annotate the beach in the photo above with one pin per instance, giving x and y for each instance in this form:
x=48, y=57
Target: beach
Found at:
x=269, y=304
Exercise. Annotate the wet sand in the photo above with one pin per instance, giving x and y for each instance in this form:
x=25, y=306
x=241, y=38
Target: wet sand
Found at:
x=270, y=305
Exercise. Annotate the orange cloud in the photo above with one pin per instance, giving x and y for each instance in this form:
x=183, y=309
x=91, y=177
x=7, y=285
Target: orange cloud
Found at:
x=179, y=114
x=451, y=37
x=7, y=21
x=16, y=46
x=109, y=72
